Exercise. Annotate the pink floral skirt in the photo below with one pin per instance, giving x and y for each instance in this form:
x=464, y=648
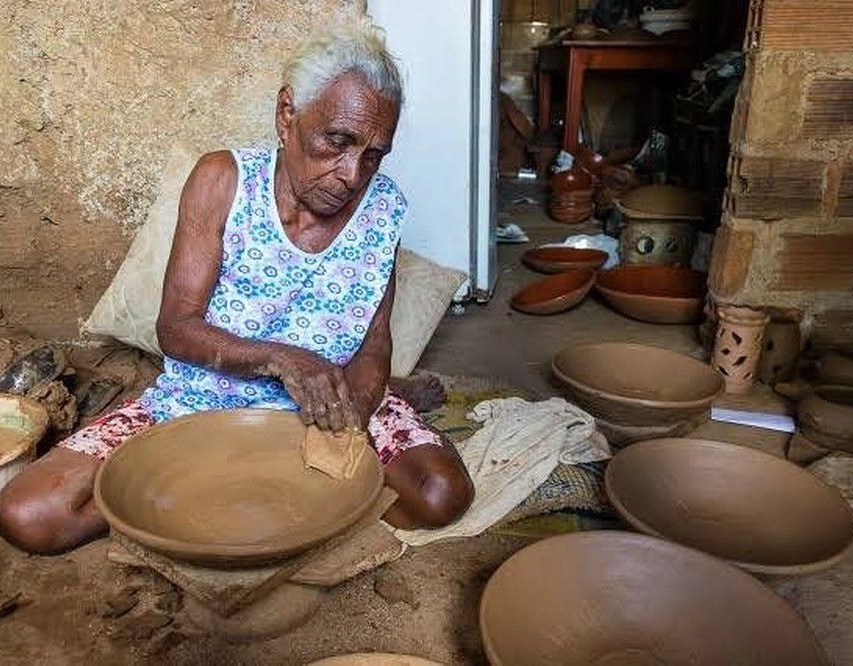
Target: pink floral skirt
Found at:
x=394, y=428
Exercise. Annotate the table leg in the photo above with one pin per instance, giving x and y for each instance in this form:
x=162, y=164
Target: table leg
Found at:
x=575, y=68
x=544, y=85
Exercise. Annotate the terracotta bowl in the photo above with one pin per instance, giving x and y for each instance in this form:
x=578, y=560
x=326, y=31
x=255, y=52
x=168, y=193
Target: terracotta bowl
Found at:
x=555, y=294
x=23, y=422
x=615, y=598
x=656, y=294
x=229, y=488
x=374, y=659
x=760, y=512
x=561, y=259
x=629, y=384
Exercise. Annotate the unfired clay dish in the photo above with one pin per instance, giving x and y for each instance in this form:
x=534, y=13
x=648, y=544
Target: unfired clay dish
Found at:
x=657, y=294
x=760, y=512
x=374, y=659
x=662, y=202
x=617, y=599
x=560, y=259
x=636, y=385
x=229, y=488
x=23, y=422
x=555, y=294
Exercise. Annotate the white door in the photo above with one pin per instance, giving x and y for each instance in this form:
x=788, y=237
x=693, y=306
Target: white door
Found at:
x=443, y=155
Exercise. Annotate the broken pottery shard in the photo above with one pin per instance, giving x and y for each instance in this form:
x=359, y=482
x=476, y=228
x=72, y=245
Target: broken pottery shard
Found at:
x=335, y=454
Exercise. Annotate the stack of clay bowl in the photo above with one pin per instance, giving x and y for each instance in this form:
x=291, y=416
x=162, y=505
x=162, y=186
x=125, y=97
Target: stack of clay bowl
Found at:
x=661, y=225
x=571, y=196
x=637, y=392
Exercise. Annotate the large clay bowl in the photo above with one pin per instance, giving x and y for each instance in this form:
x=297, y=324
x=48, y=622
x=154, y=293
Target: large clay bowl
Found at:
x=656, y=294
x=229, y=488
x=760, y=512
x=619, y=599
x=374, y=659
x=554, y=294
x=636, y=385
x=561, y=259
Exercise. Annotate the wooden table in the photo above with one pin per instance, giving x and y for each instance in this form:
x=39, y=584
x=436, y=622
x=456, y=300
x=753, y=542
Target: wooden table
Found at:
x=620, y=52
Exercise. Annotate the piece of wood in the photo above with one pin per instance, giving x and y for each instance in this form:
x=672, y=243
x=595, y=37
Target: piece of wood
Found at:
x=227, y=590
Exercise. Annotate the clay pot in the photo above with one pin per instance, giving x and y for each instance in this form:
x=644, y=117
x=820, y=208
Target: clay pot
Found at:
x=657, y=294
x=635, y=385
x=23, y=422
x=662, y=202
x=554, y=294
x=613, y=598
x=780, y=349
x=619, y=436
x=560, y=259
x=758, y=511
x=659, y=242
x=590, y=161
x=737, y=346
x=575, y=179
x=825, y=417
x=229, y=488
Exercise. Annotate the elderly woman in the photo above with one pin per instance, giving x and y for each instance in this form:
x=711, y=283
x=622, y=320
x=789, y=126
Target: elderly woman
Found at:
x=277, y=295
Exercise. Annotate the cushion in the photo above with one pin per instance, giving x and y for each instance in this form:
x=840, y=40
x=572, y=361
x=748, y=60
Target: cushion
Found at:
x=128, y=308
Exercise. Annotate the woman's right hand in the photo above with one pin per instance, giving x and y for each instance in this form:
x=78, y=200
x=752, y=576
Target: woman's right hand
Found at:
x=318, y=387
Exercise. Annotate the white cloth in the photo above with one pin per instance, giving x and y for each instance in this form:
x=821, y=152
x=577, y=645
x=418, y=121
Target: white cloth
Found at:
x=513, y=453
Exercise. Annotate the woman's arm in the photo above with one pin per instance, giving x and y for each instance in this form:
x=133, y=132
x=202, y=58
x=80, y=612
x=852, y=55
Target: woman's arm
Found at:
x=367, y=373
x=317, y=386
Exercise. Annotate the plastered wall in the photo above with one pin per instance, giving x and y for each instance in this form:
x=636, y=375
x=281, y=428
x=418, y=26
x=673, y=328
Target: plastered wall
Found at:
x=94, y=96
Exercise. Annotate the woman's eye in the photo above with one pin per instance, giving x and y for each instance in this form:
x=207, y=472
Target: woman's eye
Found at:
x=337, y=140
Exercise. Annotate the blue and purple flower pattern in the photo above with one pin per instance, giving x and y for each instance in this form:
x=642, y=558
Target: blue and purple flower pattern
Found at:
x=268, y=289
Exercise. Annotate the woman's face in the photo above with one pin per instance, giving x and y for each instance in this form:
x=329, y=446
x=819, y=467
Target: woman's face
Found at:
x=334, y=145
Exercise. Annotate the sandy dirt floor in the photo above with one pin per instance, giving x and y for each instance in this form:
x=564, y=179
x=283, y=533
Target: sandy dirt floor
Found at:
x=78, y=608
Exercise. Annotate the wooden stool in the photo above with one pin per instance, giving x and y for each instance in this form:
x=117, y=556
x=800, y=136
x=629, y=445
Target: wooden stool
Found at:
x=258, y=603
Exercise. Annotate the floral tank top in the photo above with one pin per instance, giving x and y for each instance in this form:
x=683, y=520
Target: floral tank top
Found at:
x=268, y=289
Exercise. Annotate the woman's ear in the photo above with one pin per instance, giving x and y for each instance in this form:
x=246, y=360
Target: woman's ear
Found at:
x=284, y=112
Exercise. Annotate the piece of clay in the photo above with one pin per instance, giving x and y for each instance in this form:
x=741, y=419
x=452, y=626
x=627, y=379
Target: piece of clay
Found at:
x=335, y=454
x=59, y=403
x=142, y=626
x=120, y=603
x=392, y=587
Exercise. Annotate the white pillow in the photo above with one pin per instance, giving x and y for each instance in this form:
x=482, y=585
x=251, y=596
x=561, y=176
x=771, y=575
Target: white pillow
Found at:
x=128, y=308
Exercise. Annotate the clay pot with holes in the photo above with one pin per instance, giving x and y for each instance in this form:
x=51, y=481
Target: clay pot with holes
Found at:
x=737, y=346
x=780, y=348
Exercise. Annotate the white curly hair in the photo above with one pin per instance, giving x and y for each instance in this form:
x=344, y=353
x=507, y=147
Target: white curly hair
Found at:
x=353, y=46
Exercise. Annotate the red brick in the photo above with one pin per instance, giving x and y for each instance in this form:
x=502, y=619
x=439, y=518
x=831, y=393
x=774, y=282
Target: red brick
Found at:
x=804, y=25
x=829, y=108
x=770, y=188
x=730, y=261
x=815, y=263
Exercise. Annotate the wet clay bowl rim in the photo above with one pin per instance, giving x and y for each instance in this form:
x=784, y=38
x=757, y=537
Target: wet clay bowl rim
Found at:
x=374, y=659
x=655, y=294
x=825, y=416
x=38, y=419
x=562, y=600
x=560, y=259
x=622, y=398
x=554, y=294
x=734, y=502
x=256, y=448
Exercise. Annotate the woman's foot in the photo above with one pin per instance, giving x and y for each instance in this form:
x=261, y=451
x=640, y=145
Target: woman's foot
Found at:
x=422, y=390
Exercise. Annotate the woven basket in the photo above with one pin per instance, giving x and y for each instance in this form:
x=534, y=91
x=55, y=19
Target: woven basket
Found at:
x=27, y=420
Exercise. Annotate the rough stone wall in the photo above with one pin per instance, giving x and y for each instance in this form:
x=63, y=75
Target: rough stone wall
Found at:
x=787, y=234
x=94, y=94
